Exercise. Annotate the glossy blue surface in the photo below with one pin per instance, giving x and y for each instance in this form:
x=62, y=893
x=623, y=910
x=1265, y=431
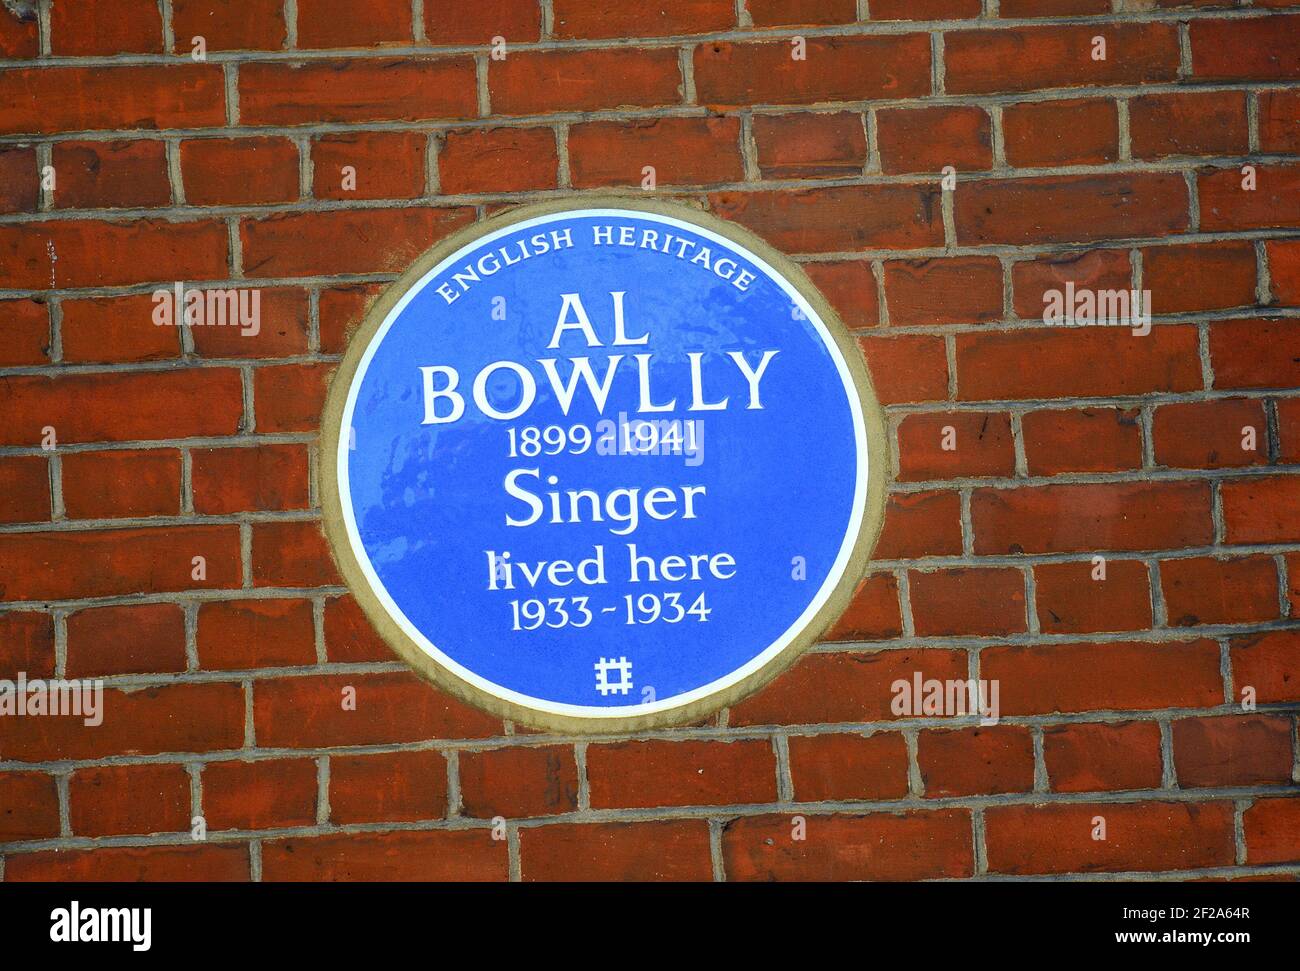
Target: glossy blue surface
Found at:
x=428, y=499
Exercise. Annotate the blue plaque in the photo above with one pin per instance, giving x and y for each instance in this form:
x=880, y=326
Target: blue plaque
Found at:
x=598, y=466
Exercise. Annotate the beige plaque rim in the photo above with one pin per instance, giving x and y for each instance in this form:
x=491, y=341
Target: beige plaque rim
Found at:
x=429, y=668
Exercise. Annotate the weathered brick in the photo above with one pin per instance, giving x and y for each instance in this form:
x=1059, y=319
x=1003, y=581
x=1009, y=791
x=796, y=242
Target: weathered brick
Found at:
x=519, y=782
x=833, y=69
x=1236, y=750
x=881, y=846
x=126, y=639
x=1070, y=601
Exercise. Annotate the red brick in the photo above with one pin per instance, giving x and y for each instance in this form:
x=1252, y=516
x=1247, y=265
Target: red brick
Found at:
x=1272, y=830
x=24, y=333
x=66, y=98
x=116, y=329
x=1103, y=757
x=478, y=23
x=385, y=164
x=958, y=290
x=1032, y=58
x=1243, y=750
x=344, y=240
x=26, y=644
x=543, y=82
x=1040, y=679
x=976, y=761
x=1089, y=517
x=842, y=767
x=613, y=18
x=1188, y=123
x=839, y=218
x=920, y=524
x=391, y=787
x=1077, y=362
x=926, y=9
x=359, y=89
x=519, y=782
x=810, y=146
x=341, y=311
x=19, y=181
x=872, y=614
x=1092, y=269
x=780, y=13
x=981, y=442
x=1210, y=434
x=239, y=171
x=497, y=160
x=19, y=32
x=632, y=774
x=670, y=850
x=1255, y=353
x=1288, y=422
x=968, y=601
x=248, y=634
x=259, y=795
x=850, y=287
x=1267, y=48
x=907, y=369
x=1148, y=836
x=29, y=803
x=1052, y=8
x=401, y=856
x=93, y=253
x=834, y=69
x=1202, y=276
x=1071, y=208
x=122, y=483
x=289, y=397
x=1226, y=206
x=126, y=639
x=843, y=687
x=307, y=712
x=1267, y=662
x=143, y=721
x=1210, y=590
x=334, y=23
x=291, y=554
x=1069, y=601
x=122, y=27
x=1278, y=129
x=132, y=864
x=122, y=800
x=278, y=324
x=229, y=25
x=121, y=174
x=682, y=151
x=1261, y=510
x=266, y=477
x=928, y=139
x=1284, y=270
x=24, y=489
x=1083, y=131
x=349, y=636
x=1081, y=440
x=112, y=562
x=910, y=846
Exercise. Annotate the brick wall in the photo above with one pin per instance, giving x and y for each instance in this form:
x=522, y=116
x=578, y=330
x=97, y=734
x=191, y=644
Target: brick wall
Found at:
x=127, y=449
